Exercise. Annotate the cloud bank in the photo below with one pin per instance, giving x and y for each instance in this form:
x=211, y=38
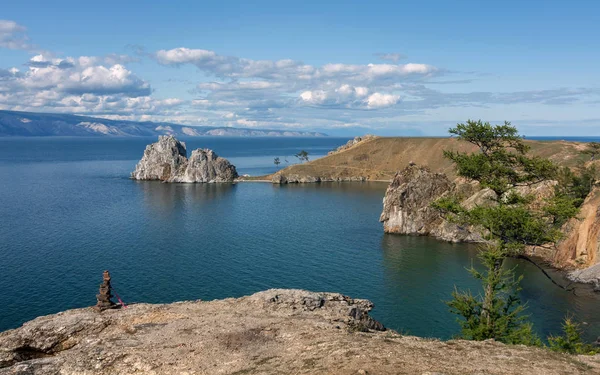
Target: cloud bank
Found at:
x=224, y=90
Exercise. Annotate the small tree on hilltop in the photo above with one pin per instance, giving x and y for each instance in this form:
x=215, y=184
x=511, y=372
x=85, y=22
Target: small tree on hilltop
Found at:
x=302, y=156
x=508, y=224
x=276, y=161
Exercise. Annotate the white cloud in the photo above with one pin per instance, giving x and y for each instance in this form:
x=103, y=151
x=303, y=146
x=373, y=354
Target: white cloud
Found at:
x=179, y=56
x=12, y=35
x=285, y=70
x=395, y=57
x=236, y=91
x=346, y=96
x=79, y=85
x=77, y=76
x=378, y=100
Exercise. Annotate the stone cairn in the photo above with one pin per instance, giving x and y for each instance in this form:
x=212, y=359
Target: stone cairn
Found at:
x=104, y=296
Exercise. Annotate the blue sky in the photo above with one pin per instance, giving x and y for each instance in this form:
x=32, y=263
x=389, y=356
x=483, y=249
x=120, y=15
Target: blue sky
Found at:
x=343, y=67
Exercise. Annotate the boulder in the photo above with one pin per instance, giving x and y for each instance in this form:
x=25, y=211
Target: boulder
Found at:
x=166, y=160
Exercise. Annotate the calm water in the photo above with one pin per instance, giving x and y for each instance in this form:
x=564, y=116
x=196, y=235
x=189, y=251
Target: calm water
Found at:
x=69, y=211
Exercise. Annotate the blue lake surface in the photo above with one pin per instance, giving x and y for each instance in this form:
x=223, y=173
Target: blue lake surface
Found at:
x=68, y=211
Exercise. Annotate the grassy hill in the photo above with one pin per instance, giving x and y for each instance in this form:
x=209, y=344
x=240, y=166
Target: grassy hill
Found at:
x=380, y=158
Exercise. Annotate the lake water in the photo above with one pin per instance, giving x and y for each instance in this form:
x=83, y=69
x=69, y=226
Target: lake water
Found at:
x=68, y=211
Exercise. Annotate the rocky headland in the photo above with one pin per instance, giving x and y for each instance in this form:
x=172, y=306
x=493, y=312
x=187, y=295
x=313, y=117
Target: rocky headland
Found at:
x=407, y=210
x=272, y=332
x=167, y=161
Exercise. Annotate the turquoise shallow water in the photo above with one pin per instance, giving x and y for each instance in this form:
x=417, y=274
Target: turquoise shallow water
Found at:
x=69, y=211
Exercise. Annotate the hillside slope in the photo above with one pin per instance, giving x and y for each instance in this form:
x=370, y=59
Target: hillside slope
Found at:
x=381, y=157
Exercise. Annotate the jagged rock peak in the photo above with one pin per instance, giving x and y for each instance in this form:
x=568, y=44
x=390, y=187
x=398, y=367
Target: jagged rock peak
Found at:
x=166, y=160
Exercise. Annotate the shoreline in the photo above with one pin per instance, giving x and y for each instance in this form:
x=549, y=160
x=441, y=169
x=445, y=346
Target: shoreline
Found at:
x=298, y=183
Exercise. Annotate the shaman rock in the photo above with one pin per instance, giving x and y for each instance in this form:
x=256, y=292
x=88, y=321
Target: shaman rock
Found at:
x=166, y=160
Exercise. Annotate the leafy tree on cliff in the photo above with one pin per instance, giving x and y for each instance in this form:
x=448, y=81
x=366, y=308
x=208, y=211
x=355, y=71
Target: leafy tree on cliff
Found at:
x=276, y=161
x=509, y=223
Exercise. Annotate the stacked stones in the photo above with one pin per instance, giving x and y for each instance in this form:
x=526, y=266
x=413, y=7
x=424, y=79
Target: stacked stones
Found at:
x=104, y=298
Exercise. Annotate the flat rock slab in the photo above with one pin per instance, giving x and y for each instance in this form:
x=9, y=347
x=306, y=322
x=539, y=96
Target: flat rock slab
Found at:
x=272, y=332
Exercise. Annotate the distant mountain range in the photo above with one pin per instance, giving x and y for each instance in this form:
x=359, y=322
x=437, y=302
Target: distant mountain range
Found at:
x=31, y=124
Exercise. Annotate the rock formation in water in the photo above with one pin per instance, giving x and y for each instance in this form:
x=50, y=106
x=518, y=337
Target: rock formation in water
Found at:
x=166, y=160
x=407, y=205
x=271, y=332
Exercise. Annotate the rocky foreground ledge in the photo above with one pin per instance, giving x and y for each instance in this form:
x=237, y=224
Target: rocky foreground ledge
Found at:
x=272, y=332
x=167, y=161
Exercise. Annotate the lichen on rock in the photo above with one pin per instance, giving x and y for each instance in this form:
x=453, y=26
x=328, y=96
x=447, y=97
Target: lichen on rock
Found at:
x=166, y=160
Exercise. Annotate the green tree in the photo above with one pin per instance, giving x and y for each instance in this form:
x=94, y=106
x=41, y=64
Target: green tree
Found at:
x=570, y=341
x=276, y=161
x=302, y=156
x=508, y=224
x=574, y=187
x=503, y=319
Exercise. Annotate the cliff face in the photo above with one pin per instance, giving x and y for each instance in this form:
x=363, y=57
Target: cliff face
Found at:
x=581, y=247
x=272, y=332
x=166, y=160
x=407, y=205
x=582, y=244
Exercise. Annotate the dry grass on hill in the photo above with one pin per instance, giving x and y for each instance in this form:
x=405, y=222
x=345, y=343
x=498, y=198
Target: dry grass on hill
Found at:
x=380, y=158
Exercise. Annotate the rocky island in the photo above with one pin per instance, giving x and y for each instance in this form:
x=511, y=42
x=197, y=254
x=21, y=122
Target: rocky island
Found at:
x=272, y=332
x=166, y=160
